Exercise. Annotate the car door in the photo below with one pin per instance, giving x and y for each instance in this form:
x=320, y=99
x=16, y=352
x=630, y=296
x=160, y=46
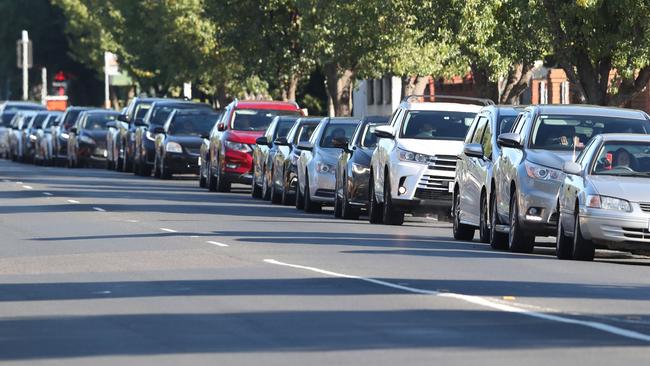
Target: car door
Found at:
x=513, y=158
x=470, y=190
x=381, y=156
x=502, y=171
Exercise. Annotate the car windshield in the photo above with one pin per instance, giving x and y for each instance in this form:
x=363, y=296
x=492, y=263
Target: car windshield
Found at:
x=256, y=119
x=71, y=118
x=505, y=123
x=437, y=125
x=368, y=137
x=38, y=120
x=283, y=128
x=573, y=132
x=337, y=130
x=141, y=110
x=160, y=113
x=304, y=134
x=192, y=124
x=7, y=117
x=623, y=159
x=98, y=121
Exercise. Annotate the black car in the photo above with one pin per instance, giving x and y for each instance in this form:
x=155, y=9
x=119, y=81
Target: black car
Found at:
x=87, y=142
x=284, y=174
x=179, y=141
x=123, y=143
x=61, y=134
x=353, y=169
x=263, y=158
x=144, y=139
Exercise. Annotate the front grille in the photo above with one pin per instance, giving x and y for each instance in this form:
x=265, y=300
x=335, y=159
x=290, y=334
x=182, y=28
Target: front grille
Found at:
x=328, y=193
x=193, y=150
x=645, y=207
x=432, y=194
x=443, y=162
x=435, y=182
x=636, y=233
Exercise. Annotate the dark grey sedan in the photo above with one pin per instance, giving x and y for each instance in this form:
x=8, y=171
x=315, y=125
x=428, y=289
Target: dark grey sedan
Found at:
x=353, y=169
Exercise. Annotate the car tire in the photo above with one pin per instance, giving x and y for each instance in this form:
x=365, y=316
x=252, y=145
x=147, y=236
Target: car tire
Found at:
x=310, y=206
x=391, y=216
x=256, y=190
x=484, y=227
x=156, y=167
x=203, y=181
x=498, y=241
x=583, y=249
x=563, y=243
x=276, y=197
x=337, y=202
x=348, y=212
x=266, y=191
x=518, y=240
x=222, y=184
x=374, y=208
x=165, y=173
x=211, y=180
x=300, y=199
x=461, y=231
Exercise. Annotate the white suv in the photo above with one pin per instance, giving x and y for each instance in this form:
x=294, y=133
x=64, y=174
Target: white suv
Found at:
x=413, y=167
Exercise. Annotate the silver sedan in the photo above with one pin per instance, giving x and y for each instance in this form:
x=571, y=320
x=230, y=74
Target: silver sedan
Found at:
x=604, y=201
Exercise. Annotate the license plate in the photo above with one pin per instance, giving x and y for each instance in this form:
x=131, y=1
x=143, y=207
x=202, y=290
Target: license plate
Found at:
x=451, y=187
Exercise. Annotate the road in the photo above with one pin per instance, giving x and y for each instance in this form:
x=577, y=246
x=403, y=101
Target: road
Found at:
x=99, y=267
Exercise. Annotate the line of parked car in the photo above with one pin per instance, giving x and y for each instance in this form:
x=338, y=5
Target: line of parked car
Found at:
x=511, y=173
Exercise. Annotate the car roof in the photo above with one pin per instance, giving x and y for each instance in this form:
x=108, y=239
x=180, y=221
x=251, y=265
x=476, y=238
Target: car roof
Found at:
x=342, y=120
x=257, y=104
x=440, y=106
x=21, y=104
x=627, y=137
x=582, y=109
x=178, y=102
x=100, y=110
x=315, y=120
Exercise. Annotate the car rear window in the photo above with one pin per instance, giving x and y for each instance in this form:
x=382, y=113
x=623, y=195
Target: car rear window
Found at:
x=305, y=132
x=436, y=125
x=98, y=121
x=337, y=130
x=256, y=119
x=192, y=124
x=573, y=132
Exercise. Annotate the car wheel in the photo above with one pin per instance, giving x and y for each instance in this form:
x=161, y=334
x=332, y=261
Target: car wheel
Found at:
x=276, y=197
x=202, y=178
x=287, y=198
x=563, y=244
x=583, y=249
x=256, y=190
x=498, y=240
x=337, y=201
x=211, y=180
x=374, y=207
x=156, y=167
x=518, y=240
x=460, y=230
x=310, y=206
x=164, y=171
x=300, y=200
x=266, y=192
x=348, y=212
x=484, y=228
x=222, y=184
x=392, y=216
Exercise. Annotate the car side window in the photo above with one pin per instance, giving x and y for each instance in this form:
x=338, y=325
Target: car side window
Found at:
x=472, y=129
x=482, y=121
x=486, y=141
x=394, y=119
x=519, y=127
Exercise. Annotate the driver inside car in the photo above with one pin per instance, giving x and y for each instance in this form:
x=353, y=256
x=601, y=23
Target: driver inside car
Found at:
x=622, y=159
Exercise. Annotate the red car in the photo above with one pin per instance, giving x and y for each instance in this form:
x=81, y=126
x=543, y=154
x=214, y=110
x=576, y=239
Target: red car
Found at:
x=231, y=143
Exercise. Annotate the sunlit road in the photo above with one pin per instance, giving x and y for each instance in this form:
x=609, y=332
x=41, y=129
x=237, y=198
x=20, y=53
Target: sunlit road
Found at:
x=99, y=267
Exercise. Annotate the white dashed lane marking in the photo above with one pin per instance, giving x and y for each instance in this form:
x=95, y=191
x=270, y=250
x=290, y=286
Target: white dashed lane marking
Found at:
x=99, y=209
x=217, y=243
x=73, y=201
x=47, y=193
x=168, y=230
x=28, y=187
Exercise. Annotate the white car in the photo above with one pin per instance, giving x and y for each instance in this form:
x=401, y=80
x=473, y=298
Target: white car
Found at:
x=413, y=167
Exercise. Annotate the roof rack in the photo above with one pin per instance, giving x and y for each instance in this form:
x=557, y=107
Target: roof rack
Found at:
x=442, y=97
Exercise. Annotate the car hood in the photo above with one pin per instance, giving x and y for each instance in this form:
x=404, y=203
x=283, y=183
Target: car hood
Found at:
x=629, y=188
x=551, y=159
x=432, y=147
x=362, y=155
x=187, y=141
x=328, y=155
x=246, y=137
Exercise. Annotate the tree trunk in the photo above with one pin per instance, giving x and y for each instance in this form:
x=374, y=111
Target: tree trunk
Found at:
x=484, y=86
x=289, y=90
x=517, y=81
x=339, y=86
x=416, y=85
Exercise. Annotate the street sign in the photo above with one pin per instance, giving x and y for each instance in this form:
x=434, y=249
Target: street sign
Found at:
x=19, y=54
x=111, y=64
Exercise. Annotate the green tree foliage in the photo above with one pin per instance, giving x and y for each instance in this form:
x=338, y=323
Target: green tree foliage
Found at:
x=594, y=40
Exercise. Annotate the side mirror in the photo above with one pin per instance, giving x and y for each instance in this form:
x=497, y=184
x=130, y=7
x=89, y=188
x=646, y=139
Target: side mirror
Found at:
x=159, y=130
x=221, y=126
x=123, y=118
x=262, y=141
x=340, y=142
x=510, y=139
x=205, y=136
x=385, y=132
x=572, y=168
x=281, y=141
x=306, y=146
x=111, y=124
x=73, y=130
x=474, y=150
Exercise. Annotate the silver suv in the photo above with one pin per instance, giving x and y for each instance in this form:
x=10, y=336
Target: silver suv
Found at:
x=528, y=172
x=474, y=171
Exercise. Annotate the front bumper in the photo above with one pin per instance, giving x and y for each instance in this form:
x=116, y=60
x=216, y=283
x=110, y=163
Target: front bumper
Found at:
x=416, y=187
x=182, y=163
x=537, y=201
x=321, y=187
x=629, y=231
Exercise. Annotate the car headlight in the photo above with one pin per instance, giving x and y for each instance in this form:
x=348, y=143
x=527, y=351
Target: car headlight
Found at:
x=150, y=136
x=325, y=168
x=173, y=147
x=32, y=138
x=86, y=140
x=360, y=169
x=64, y=136
x=238, y=146
x=543, y=173
x=608, y=203
x=406, y=155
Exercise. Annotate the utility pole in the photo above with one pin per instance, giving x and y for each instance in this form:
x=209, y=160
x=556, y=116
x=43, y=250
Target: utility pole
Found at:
x=25, y=44
x=107, y=80
x=44, y=87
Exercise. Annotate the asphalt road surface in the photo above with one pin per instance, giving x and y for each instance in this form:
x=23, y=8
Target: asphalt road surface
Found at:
x=99, y=267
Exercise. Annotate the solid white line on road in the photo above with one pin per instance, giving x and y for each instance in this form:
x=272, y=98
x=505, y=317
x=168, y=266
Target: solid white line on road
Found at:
x=28, y=187
x=47, y=193
x=73, y=201
x=99, y=209
x=481, y=301
x=217, y=243
x=168, y=230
